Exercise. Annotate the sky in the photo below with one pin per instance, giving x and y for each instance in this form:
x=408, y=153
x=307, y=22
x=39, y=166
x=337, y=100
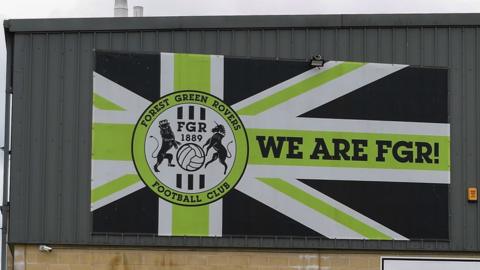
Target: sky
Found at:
x=11, y=9
x=103, y=8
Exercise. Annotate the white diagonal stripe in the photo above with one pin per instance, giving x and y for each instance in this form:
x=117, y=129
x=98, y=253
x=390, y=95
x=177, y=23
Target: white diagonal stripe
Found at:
x=350, y=174
x=345, y=209
x=294, y=209
x=117, y=195
x=332, y=90
x=283, y=85
x=346, y=125
x=115, y=117
x=104, y=171
x=119, y=95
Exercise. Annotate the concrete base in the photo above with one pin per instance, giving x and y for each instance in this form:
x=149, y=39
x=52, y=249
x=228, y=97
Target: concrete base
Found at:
x=28, y=257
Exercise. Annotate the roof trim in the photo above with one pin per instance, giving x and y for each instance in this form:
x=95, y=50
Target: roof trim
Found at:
x=231, y=22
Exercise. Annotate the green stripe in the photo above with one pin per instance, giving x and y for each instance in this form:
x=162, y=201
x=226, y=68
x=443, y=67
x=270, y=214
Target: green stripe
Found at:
x=192, y=72
x=112, y=141
x=190, y=220
x=325, y=209
x=299, y=88
x=309, y=144
x=111, y=187
x=104, y=104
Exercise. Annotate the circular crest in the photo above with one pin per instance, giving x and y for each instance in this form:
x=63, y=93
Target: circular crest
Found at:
x=190, y=148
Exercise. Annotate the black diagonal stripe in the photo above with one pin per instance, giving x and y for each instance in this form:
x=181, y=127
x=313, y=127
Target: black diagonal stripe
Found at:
x=414, y=210
x=243, y=215
x=137, y=212
x=411, y=95
x=136, y=72
x=246, y=77
x=134, y=213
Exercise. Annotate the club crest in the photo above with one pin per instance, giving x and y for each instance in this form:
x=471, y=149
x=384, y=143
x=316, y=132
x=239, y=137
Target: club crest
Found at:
x=190, y=148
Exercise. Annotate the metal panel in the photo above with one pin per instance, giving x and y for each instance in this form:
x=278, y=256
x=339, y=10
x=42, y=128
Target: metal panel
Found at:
x=20, y=113
x=52, y=107
x=242, y=22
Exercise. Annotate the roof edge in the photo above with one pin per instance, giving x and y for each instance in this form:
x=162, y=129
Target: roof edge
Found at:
x=247, y=21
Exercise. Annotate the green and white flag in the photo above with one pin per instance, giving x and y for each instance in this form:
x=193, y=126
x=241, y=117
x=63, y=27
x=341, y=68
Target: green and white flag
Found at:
x=207, y=145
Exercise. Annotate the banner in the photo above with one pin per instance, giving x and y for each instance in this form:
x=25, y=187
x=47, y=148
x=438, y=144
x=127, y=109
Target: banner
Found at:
x=207, y=145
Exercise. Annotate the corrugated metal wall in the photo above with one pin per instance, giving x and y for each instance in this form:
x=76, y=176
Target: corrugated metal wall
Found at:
x=50, y=168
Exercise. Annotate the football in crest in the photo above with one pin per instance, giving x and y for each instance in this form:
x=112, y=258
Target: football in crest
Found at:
x=190, y=157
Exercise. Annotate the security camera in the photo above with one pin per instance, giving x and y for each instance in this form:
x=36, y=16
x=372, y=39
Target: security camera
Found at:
x=45, y=248
x=317, y=61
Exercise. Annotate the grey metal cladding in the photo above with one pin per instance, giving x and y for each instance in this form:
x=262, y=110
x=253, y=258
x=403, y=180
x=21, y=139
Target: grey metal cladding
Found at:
x=246, y=22
x=50, y=166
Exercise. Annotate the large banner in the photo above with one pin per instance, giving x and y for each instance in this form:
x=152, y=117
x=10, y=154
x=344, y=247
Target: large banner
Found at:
x=207, y=145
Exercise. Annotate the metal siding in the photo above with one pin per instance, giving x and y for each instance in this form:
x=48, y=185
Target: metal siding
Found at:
x=50, y=186
x=84, y=138
x=149, y=41
x=477, y=130
x=70, y=146
x=457, y=198
x=468, y=129
x=20, y=121
x=356, y=44
x=195, y=41
x=256, y=43
x=343, y=48
x=313, y=42
x=164, y=41
x=371, y=44
x=53, y=102
x=400, y=45
x=179, y=41
x=225, y=42
x=243, y=22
